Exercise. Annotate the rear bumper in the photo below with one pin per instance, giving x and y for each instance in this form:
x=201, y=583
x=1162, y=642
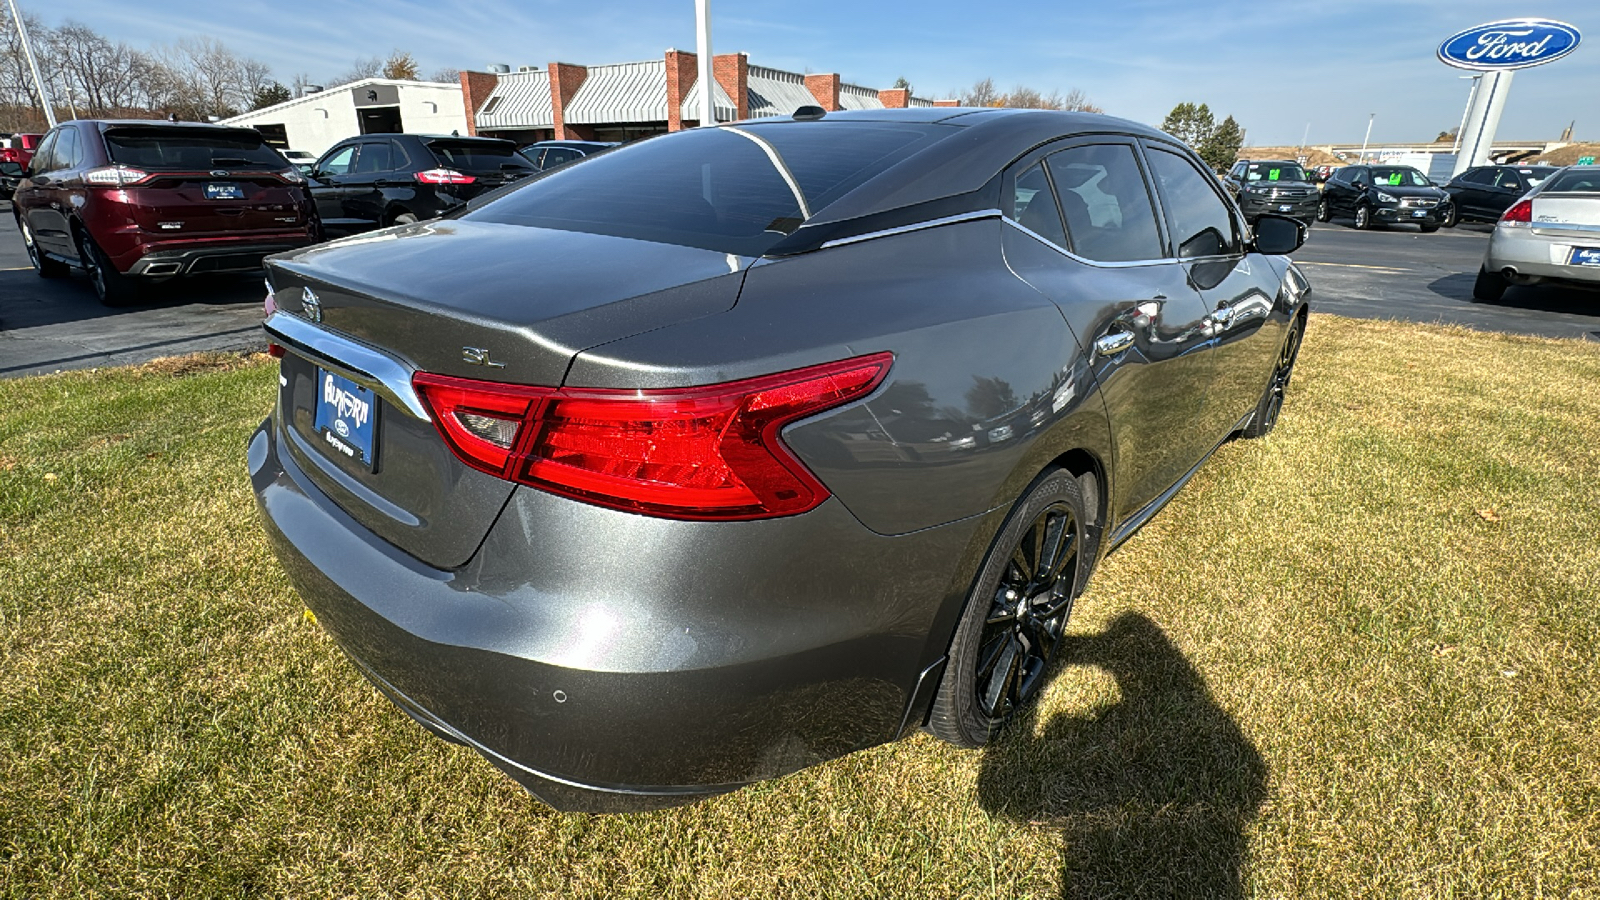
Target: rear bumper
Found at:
x=219, y=256
x=613, y=662
x=1540, y=256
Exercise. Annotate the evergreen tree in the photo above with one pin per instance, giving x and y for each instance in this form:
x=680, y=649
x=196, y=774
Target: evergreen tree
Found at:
x=1221, y=147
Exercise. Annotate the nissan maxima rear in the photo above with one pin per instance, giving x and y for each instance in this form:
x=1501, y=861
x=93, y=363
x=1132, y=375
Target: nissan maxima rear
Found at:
x=742, y=448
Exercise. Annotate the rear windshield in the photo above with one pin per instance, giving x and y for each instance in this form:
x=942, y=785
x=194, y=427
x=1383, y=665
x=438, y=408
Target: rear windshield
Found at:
x=1576, y=181
x=1274, y=172
x=191, y=148
x=472, y=156
x=736, y=189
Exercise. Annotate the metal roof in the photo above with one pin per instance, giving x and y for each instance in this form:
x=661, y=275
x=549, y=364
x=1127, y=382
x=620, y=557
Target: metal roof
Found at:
x=919, y=102
x=519, y=100
x=774, y=92
x=625, y=92
x=854, y=96
x=722, y=105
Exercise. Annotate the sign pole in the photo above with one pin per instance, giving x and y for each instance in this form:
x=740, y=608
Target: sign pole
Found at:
x=27, y=50
x=708, y=93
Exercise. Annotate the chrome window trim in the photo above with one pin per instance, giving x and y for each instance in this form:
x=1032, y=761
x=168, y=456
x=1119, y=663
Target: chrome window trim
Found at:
x=369, y=367
x=1099, y=264
x=917, y=226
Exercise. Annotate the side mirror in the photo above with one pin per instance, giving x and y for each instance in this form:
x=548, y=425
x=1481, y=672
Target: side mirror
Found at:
x=1279, y=235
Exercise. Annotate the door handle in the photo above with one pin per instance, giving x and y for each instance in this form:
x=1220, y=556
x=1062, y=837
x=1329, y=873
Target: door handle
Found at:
x=1113, y=343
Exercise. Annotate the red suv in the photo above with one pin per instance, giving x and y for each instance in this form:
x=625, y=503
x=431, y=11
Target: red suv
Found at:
x=144, y=200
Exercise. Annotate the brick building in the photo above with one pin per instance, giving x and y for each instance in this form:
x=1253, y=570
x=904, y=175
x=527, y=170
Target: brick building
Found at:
x=623, y=101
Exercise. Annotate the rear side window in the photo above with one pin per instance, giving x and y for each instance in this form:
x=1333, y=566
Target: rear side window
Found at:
x=466, y=156
x=1201, y=223
x=1106, y=203
x=1577, y=181
x=190, y=149
x=730, y=189
x=1034, y=206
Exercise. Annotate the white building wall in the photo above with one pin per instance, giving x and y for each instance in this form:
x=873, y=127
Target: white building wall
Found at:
x=318, y=121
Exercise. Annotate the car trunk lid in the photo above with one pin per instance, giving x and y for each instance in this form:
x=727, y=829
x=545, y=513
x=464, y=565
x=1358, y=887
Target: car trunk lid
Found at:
x=493, y=302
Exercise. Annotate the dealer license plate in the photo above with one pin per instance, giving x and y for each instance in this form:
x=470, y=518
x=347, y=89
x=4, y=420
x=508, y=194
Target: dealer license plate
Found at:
x=224, y=192
x=346, y=414
x=1584, y=256
x=1284, y=207
x=1420, y=214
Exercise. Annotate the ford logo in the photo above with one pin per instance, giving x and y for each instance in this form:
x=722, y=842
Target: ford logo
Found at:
x=1512, y=44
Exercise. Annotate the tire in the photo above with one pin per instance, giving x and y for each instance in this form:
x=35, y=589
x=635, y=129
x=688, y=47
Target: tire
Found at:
x=1429, y=229
x=1454, y=218
x=1016, y=613
x=1363, y=218
x=405, y=219
x=1490, y=286
x=112, y=287
x=1271, y=403
x=43, y=266
x=1322, y=211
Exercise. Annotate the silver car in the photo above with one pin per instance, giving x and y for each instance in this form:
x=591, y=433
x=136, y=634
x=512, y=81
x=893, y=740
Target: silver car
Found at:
x=1551, y=235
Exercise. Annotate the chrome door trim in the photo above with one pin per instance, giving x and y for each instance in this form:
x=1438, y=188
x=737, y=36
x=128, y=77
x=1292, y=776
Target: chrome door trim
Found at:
x=918, y=226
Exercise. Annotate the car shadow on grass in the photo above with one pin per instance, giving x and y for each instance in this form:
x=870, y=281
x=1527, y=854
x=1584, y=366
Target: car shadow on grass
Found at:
x=1152, y=795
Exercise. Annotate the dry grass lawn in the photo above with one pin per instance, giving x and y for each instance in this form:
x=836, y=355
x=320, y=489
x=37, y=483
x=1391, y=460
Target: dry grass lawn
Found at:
x=1356, y=659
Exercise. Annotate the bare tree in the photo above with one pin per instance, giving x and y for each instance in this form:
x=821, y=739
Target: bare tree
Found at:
x=361, y=68
x=299, y=83
x=982, y=93
x=447, y=74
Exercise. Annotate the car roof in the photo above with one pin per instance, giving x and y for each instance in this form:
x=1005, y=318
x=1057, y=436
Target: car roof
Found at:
x=1271, y=162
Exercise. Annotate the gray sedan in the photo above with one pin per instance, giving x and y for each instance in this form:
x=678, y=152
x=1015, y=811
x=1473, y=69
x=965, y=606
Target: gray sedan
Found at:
x=1551, y=235
x=734, y=450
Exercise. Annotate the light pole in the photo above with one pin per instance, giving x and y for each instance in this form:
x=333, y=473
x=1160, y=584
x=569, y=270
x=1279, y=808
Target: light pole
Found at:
x=708, y=96
x=1364, y=140
x=38, y=83
x=1303, y=135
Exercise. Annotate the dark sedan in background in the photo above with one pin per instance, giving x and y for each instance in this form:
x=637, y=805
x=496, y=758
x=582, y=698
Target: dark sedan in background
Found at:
x=1385, y=195
x=377, y=180
x=1484, y=193
x=1277, y=186
x=807, y=436
x=549, y=154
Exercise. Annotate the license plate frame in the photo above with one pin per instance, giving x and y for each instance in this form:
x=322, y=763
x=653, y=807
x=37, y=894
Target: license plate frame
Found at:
x=220, y=190
x=1584, y=257
x=345, y=418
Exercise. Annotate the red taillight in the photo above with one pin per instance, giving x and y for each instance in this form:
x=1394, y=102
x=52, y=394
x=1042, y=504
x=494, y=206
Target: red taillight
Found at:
x=116, y=176
x=444, y=176
x=276, y=351
x=709, y=452
x=1519, y=214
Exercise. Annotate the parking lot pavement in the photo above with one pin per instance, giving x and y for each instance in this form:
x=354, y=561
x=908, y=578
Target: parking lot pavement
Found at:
x=51, y=324
x=1401, y=273
x=47, y=325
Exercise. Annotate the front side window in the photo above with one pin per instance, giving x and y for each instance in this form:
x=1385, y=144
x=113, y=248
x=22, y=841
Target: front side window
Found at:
x=338, y=163
x=1106, y=203
x=1201, y=223
x=737, y=189
x=1479, y=176
x=1509, y=180
x=68, y=153
x=44, y=157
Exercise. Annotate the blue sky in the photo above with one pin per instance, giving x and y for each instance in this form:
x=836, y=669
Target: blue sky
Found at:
x=1276, y=67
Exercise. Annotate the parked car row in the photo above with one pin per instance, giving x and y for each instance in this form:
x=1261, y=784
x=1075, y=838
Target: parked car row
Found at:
x=134, y=201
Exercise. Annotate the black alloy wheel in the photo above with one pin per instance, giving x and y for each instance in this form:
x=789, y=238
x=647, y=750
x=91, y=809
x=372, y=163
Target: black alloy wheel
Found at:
x=1363, y=217
x=1322, y=210
x=112, y=287
x=1452, y=217
x=1016, y=613
x=1271, y=404
x=43, y=266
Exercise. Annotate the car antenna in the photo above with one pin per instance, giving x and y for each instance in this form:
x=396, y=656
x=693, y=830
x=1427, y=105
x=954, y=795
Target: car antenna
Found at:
x=809, y=113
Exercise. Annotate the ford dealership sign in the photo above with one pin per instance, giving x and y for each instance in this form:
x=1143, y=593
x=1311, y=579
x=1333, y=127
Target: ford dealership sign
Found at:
x=1512, y=44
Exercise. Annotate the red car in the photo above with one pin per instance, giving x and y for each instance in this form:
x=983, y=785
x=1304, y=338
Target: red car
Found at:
x=19, y=148
x=132, y=201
